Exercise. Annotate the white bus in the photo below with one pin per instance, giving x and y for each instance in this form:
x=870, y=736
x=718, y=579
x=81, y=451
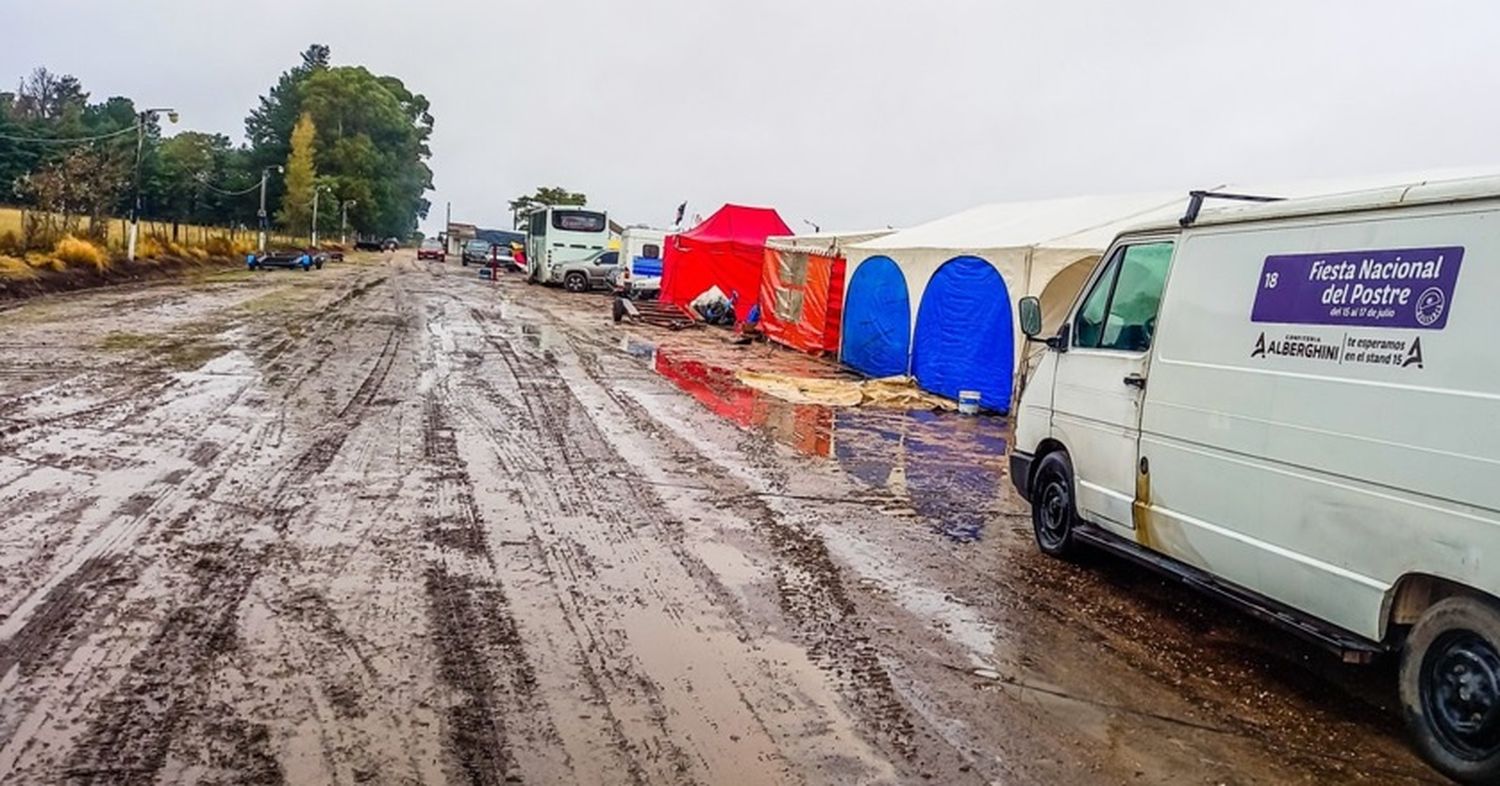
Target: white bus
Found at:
x=1296, y=408
x=558, y=235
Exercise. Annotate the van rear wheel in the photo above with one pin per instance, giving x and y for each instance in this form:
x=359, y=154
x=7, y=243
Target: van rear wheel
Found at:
x=1053, y=513
x=1450, y=688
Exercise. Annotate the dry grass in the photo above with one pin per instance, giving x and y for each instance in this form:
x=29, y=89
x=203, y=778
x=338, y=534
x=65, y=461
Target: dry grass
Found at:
x=10, y=220
x=45, y=262
x=212, y=239
x=148, y=247
x=77, y=252
x=14, y=269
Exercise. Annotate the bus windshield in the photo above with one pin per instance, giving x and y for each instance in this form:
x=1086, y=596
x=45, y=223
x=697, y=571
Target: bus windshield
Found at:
x=578, y=221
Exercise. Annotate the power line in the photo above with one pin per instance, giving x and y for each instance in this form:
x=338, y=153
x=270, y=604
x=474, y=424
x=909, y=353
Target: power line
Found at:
x=222, y=192
x=68, y=140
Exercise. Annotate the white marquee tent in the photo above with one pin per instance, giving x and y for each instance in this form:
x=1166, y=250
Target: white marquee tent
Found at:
x=938, y=300
x=1044, y=248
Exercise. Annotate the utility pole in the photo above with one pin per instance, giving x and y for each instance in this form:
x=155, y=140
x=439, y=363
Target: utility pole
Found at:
x=316, y=191
x=140, y=148
x=344, y=220
x=264, y=219
x=448, y=228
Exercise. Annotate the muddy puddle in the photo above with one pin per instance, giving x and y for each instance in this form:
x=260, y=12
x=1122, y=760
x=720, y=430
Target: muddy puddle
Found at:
x=950, y=468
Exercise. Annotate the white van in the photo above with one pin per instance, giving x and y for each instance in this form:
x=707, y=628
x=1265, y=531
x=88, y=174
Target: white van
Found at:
x=1296, y=407
x=639, y=272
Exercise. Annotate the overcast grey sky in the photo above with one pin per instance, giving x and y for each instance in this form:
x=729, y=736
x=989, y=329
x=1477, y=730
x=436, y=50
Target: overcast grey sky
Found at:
x=851, y=113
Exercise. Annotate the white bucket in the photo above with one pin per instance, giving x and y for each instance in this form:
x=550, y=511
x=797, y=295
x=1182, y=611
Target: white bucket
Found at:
x=968, y=402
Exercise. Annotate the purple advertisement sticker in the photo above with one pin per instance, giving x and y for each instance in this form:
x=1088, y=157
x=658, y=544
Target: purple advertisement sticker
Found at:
x=1394, y=288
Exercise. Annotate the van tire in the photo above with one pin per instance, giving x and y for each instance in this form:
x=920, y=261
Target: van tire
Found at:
x=576, y=282
x=1054, y=513
x=1450, y=671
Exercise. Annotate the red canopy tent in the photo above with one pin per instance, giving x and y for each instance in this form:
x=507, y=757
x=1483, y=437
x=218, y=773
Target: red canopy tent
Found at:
x=727, y=251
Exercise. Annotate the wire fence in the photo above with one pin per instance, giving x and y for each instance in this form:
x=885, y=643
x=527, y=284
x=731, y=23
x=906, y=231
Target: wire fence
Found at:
x=116, y=230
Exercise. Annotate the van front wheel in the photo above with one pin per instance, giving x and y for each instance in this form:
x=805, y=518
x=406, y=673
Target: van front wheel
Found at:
x=1053, y=513
x=1450, y=688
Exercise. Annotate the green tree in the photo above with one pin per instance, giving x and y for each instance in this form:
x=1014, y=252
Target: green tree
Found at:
x=269, y=125
x=200, y=176
x=372, y=146
x=543, y=196
x=372, y=141
x=46, y=105
x=301, y=177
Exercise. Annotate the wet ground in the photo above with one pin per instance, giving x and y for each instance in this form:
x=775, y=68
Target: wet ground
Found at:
x=389, y=523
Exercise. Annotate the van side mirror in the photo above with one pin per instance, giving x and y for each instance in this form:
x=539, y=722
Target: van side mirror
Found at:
x=1031, y=316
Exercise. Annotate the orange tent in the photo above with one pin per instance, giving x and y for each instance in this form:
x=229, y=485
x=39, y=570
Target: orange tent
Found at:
x=801, y=299
x=802, y=289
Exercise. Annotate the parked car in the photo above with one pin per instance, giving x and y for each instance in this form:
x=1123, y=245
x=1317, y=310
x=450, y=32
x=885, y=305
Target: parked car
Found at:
x=288, y=258
x=476, y=252
x=432, y=249
x=594, y=271
x=1295, y=408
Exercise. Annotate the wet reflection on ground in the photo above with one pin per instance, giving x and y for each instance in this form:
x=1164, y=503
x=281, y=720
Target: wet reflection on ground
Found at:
x=950, y=467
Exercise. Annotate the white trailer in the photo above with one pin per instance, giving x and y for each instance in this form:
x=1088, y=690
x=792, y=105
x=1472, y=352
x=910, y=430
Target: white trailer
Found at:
x=639, y=272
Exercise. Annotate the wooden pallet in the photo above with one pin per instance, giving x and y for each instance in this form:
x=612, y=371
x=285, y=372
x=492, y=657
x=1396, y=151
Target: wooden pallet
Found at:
x=654, y=312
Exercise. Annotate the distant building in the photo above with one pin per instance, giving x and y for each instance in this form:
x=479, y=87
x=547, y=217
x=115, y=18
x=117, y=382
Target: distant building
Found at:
x=458, y=235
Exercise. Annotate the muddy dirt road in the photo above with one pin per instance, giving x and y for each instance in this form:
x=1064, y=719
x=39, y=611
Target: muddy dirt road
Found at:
x=387, y=523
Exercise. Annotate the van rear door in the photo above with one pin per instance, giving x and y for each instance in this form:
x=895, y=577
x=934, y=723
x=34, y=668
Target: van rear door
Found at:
x=1101, y=379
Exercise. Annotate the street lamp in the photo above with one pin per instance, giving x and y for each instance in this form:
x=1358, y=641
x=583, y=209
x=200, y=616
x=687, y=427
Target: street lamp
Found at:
x=344, y=220
x=264, y=222
x=316, y=191
x=141, y=119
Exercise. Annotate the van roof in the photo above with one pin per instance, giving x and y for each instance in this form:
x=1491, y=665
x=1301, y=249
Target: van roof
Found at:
x=1418, y=192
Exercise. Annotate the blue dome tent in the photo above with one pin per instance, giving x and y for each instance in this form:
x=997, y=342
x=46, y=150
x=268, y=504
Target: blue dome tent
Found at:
x=877, y=319
x=964, y=338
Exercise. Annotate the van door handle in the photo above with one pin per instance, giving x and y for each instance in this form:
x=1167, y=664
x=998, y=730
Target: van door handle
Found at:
x=1136, y=381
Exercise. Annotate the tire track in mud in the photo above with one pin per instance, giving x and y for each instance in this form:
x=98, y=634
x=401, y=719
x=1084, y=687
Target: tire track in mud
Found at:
x=42, y=632
x=135, y=725
x=555, y=418
x=97, y=576
x=540, y=442
x=809, y=584
x=56, y=617
x=480, y=653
